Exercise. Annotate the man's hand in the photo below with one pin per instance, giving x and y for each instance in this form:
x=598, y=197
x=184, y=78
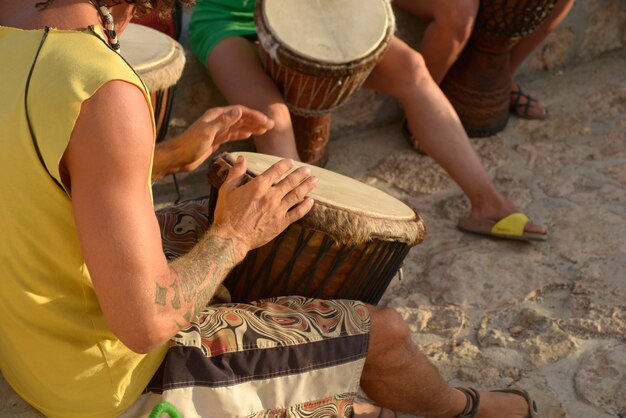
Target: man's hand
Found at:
x=215, y=127
x=256, y=212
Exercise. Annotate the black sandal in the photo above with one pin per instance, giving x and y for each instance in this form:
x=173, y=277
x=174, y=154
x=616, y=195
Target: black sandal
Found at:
x=532, y=405
x=471, y=404
x=473, y=401
x=521, y=109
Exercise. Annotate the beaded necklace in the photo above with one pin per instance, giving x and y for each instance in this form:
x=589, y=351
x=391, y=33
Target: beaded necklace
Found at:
x=107, y=22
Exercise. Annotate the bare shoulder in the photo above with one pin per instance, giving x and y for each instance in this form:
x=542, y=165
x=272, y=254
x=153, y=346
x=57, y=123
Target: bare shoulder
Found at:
x=118, y=111
x=113, y=136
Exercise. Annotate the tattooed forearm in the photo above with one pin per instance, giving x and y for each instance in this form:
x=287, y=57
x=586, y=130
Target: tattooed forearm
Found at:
x=199, y=273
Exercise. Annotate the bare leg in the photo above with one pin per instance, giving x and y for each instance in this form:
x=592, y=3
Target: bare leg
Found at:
x=436, y=126
x=238, y=73
x=398, y=376
x=528, y=44
x=451, y=23
x=367, y=410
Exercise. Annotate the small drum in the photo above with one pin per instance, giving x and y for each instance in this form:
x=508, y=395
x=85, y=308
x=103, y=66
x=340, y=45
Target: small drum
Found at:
x=159, y=60
x=349, y=246
x=479, y=84
x=319, y=53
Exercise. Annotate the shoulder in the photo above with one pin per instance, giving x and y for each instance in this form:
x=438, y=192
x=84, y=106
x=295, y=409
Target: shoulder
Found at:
x=84, y=62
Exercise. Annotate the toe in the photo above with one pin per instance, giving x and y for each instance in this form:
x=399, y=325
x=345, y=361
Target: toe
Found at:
x=535, y=229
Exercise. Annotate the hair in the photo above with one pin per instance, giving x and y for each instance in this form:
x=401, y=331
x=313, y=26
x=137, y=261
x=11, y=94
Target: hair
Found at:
x=142, y=7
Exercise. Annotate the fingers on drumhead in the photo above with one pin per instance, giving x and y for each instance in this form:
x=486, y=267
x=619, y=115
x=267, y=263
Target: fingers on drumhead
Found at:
x=293, y=179
x=298, y=211
x=235, y=173
x=298, y=193
x=276, y=171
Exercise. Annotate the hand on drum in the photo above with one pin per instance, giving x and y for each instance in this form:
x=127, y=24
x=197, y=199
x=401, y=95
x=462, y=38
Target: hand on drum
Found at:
x=254, y=213
x=215, y=127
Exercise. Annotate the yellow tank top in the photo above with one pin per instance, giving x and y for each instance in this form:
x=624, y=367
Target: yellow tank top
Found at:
x=55, y=348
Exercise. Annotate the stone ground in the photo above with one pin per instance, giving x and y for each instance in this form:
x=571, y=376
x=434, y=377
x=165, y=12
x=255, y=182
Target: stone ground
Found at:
x=549, y=317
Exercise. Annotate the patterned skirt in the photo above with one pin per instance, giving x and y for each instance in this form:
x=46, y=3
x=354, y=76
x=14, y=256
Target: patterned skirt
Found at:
x=289, y=356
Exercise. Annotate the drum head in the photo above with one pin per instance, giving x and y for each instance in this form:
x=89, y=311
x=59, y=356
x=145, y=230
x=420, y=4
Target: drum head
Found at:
x=328, y=31
x=338, y=191
x=156, y=57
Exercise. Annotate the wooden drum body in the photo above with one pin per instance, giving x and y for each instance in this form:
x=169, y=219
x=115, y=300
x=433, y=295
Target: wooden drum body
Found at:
x=479, y=83
x=319, y=53
x=349, y=246
x=159, y=60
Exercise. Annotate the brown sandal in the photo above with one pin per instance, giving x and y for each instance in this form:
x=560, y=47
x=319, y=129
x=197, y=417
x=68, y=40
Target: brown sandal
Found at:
x=522, y=109
x=473, y=401
x=471, y=404
x=532, y=405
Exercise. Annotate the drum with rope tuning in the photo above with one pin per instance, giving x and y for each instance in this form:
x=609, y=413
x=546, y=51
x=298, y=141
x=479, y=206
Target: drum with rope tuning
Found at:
x=479, y=83
x=319, y=53
x=349, y=246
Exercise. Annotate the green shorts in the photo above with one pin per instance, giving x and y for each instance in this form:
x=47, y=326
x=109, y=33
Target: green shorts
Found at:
x=215, y=20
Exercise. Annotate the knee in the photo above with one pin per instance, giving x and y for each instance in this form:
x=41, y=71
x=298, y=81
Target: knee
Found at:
x=458, y=18
x=411, y=72
x=279, y=113
x=388, y=329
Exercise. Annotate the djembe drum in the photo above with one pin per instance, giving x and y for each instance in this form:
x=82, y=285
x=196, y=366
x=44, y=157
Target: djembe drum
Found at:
x=349, y=246
x=319, y=53
x=479, y=83
x=159, y=61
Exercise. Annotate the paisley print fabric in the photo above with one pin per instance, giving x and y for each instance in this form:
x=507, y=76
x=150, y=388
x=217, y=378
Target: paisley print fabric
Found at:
x=289, y=356
x=182, y=225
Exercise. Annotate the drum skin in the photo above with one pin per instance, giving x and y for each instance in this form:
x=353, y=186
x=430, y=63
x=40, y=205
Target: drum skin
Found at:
x=479, y=83
x=314, y=86
x=314, y=258
x=312, y=80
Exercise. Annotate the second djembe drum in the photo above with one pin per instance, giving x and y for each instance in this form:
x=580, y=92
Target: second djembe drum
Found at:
x=349, y=246
x=319, y=53
x=479, y=83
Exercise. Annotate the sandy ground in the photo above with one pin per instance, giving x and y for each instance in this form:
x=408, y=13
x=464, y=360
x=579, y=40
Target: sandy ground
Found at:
x=549, y=317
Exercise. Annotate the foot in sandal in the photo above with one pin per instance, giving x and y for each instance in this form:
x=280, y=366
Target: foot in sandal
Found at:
x=524, y=106
x=501, y=219
x=516, y=403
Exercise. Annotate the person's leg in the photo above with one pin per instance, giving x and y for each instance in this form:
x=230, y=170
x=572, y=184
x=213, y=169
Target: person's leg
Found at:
x=526, y=45
x=434, y=123
x=239, y=75
x=398, y=376
x=451, y=23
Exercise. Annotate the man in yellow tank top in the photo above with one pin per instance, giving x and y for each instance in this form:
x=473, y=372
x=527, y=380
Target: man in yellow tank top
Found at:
x=97, y=321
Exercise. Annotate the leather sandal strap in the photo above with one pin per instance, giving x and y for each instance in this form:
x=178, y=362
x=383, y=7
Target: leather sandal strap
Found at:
x=532, y=405
x=471, y=404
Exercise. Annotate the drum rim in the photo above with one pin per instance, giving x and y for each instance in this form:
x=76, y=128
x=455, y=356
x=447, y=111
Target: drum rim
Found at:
x=166, y=70
x=304, y=64
x=348, y=228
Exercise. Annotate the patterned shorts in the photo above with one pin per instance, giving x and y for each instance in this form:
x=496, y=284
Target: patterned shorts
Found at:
x=282, y=357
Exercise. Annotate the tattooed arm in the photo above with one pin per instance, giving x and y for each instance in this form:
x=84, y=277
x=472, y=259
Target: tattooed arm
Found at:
x=246, y=217
x=144, y=299
x=199, y=275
